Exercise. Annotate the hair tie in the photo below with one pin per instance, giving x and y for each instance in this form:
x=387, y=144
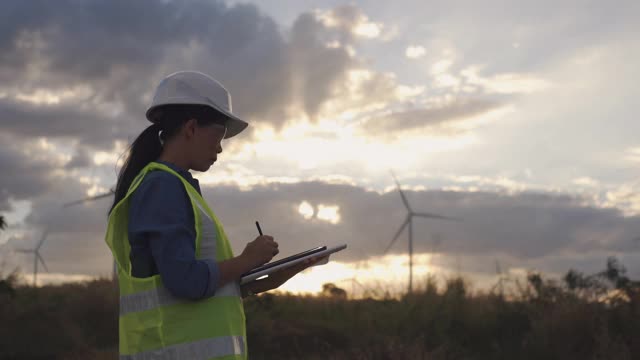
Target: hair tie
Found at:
x=160, y=137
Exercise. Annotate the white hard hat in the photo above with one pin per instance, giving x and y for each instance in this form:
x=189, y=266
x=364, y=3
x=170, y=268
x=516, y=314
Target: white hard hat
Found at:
x=192, y=87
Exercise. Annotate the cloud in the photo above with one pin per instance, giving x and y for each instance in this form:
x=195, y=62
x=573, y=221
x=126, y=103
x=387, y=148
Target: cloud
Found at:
x=117, y=51
x=25, y=171
x=415, y=52
x=520, y=226
x=64, y=120
x=83, y=74
x=507, y=83
x=351, y=21
x=434, y=117
x=633, y=154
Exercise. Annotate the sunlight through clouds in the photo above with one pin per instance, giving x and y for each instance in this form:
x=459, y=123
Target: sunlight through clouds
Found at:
x=351, y=19
x=313, y=152
x=42, y=96
x=329, y=213
x=306, y=210
x=404, y=92
x=370, y=276
x=507, y=83
x=633, y=154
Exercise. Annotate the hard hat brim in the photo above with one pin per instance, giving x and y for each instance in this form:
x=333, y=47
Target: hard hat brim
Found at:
x=234, y=124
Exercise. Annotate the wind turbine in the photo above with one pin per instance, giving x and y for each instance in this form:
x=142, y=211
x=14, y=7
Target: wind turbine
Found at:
x=409, y=222
x=501, y=279
x=111, y=192
x=354, y=281
x=36, y=255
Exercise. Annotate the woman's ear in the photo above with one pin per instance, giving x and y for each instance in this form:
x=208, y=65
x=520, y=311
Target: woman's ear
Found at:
x=190, y=128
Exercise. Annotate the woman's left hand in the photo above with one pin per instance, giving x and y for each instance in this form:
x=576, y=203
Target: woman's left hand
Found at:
x=276, y=279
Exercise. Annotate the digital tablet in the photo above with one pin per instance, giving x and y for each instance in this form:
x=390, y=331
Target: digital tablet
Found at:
x=289, y=261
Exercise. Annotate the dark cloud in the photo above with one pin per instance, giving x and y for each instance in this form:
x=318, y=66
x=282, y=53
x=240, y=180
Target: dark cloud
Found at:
x=318, y=68
x=529, y=228
x=432, y=117
x=120, y=50
x=59, y=121
x=22, y=176
x=81, y=159
x=527, y=225
x=113, y=53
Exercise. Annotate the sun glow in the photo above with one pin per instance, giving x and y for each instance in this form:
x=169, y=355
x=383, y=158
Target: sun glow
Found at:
x=306, y=210
x=372, y=277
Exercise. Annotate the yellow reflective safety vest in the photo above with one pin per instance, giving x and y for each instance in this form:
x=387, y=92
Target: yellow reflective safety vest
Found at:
x=154, y=324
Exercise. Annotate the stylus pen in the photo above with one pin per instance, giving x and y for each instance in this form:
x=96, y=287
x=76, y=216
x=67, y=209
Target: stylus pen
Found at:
x=259, y=230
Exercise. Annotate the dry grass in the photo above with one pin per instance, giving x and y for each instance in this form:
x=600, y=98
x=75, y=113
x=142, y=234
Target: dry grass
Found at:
x=544, y=319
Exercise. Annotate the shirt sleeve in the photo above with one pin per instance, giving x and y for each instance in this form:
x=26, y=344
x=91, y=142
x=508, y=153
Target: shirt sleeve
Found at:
x=161, y=217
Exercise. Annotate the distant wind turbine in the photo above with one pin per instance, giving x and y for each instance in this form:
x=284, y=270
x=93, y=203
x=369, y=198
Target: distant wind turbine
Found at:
x=501, y=279
x=37, y=256
x=409, y=222
x=111, y=192
x=354, y=281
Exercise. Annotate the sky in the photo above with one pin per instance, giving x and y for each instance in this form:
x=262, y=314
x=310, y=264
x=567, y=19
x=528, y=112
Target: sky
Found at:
x=516, y=117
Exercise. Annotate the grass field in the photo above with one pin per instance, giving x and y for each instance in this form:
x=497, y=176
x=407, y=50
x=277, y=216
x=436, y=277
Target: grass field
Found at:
x=579, y=317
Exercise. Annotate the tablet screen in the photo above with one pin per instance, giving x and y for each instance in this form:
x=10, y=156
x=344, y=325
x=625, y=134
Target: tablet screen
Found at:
x=287, y=259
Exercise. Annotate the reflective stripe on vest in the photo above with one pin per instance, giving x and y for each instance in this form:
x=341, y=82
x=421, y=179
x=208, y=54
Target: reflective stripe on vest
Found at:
x=154, y=324
x=197, y=350
x=147, y=300
x=209, y=234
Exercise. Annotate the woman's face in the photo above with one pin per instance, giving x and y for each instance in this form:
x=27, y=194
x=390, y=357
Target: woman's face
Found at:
x=207, y=145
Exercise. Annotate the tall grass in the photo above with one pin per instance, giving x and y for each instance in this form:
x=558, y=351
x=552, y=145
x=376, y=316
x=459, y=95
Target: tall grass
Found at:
x=580, y=317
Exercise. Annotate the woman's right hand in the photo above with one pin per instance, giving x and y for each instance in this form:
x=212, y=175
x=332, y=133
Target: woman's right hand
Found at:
x=260, y=251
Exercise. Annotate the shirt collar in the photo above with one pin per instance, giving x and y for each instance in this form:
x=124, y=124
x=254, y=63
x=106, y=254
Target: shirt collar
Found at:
x=184, y=173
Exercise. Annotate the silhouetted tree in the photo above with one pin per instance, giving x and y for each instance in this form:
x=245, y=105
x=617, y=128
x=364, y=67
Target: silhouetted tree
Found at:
x=333, y=291
x=7, y=285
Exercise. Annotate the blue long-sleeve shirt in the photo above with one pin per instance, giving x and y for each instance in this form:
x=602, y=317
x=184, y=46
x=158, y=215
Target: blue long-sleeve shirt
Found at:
x=162, y=236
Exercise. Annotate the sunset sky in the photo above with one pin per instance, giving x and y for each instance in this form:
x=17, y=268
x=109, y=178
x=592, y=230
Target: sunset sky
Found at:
x=517, y=117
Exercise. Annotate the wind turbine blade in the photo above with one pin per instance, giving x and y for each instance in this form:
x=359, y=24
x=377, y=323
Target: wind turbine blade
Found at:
x=406, y=221
x=42, y=261
x=436, y=216
x=44, y=236
x=89, y=199
x=404, y=198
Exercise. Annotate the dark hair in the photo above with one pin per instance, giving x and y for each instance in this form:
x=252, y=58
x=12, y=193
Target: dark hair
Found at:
x=147, y=147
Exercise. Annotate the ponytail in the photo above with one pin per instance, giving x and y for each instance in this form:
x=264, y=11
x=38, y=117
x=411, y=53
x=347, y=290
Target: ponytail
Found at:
x=147, y=147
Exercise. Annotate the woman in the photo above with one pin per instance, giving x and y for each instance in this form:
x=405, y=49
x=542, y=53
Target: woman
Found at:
x=180, y=296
